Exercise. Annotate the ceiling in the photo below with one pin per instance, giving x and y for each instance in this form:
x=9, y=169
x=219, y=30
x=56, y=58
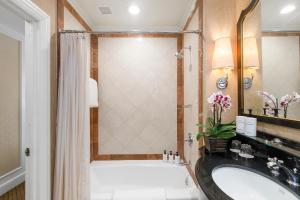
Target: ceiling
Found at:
x=272, y=20
x=155, y=15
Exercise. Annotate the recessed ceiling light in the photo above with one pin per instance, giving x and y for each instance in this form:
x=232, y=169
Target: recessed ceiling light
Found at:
x=134, y=10
x=287, y=9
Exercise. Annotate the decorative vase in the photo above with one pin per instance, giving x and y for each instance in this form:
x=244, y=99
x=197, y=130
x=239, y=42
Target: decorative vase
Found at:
x=215, y=145
x=265, y=111
x=250, y=111
x=276, y=111
x=285, y=112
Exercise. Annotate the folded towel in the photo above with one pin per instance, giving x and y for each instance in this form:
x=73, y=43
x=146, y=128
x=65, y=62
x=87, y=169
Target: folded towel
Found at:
x=140, y=194
x=93, y=93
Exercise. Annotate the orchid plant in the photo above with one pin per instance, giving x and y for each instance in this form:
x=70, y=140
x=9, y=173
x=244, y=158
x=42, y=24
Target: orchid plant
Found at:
x=270, y=102
x=219, y=104
x=287, y=100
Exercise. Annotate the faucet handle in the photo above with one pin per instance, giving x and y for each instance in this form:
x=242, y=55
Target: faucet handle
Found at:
x=280, y=161
x=272, y=159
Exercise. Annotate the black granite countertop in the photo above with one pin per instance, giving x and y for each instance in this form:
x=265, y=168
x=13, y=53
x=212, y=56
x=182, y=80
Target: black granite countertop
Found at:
x=209, y=162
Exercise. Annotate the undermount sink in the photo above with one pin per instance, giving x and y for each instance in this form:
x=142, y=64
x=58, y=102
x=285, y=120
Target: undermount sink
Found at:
x=241, y=184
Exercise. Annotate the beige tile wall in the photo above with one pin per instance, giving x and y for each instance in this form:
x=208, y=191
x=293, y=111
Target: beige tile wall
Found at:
x=138, y=107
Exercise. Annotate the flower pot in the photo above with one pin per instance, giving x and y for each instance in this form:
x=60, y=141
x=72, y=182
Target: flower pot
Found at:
x=215, y=145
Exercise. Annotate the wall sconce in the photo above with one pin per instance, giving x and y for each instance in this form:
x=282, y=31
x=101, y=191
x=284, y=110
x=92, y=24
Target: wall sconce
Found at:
x=250, y=59
x=223, y=59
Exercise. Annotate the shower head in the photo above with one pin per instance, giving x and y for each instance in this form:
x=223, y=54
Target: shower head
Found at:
x=180, y=54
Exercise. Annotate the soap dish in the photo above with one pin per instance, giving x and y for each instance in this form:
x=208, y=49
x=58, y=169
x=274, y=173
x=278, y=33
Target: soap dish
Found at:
x=235, y=150
x=243, y=155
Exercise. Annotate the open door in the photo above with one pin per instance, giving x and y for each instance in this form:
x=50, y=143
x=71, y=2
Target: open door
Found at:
x=25, y=101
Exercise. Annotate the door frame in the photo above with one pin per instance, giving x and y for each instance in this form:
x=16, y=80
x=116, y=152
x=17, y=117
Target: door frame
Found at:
x=37, y=101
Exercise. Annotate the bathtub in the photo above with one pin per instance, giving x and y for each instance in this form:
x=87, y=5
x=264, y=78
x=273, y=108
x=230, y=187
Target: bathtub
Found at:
x=141, y=180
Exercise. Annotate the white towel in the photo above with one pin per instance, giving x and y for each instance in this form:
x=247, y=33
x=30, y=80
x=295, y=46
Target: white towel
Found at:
x=250, y=128
x=140, y=194
x=93, y=93
x=240, y=124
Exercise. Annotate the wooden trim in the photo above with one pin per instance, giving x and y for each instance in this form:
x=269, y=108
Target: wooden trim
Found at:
x=94, y=112
x=192, y=15
x=129, y=157
x=60, y=14
x=200, y=69
x=240, y=72
x=180, y=99
x=279, y=34
x=77, y=16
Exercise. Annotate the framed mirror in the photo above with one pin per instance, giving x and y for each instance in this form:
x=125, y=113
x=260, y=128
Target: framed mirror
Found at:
x=269, y=62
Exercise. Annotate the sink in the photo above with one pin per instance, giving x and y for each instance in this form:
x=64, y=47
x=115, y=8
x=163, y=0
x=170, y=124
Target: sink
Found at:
x=241, y=184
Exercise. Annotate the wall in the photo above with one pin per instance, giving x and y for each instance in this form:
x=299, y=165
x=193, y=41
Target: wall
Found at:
x=191, y=88
x=70, y=22
x=137, y=88
x=219, y=20
x=10, y=130
x=281, y=69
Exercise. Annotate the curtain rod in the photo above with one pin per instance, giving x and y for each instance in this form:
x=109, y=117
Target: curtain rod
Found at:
x=130, y=32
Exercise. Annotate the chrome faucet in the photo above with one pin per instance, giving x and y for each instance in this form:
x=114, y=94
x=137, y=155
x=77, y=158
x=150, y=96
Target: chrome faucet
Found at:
x=292, y=174
x=189, y=139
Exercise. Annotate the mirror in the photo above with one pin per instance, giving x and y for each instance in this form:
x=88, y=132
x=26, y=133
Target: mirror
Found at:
x=10, y=107
x=270, y=60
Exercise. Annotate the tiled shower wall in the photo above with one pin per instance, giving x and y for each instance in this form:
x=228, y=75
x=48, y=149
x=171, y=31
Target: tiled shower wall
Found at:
x=137, y=92
x=191, y=89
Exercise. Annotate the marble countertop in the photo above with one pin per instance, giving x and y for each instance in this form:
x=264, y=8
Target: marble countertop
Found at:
x=208, y=162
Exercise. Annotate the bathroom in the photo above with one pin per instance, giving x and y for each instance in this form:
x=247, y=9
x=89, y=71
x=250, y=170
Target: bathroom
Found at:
x=149, y=100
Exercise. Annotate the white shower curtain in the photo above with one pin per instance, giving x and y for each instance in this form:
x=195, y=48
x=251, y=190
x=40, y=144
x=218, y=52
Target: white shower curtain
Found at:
x=71, y=175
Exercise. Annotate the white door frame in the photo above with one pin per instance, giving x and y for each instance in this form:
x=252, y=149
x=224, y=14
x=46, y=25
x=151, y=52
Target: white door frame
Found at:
x=37, y=102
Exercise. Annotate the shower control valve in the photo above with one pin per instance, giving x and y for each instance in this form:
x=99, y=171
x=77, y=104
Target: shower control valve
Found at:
x=189, y=139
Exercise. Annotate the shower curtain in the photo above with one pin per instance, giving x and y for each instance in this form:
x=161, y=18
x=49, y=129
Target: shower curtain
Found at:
x=71, y=174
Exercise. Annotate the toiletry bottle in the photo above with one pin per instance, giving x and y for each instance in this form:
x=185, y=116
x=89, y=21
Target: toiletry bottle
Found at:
x=165, y=156
x=177, y=158
x=171, y=157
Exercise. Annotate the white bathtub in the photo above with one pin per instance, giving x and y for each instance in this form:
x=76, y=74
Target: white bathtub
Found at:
x=141, y=180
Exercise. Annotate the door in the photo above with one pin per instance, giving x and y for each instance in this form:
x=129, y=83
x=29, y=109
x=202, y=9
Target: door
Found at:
x=24, y=101
x=12, y=105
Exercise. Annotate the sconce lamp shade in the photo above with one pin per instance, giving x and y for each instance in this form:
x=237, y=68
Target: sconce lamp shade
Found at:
x=222, y=57
x=250, y=53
